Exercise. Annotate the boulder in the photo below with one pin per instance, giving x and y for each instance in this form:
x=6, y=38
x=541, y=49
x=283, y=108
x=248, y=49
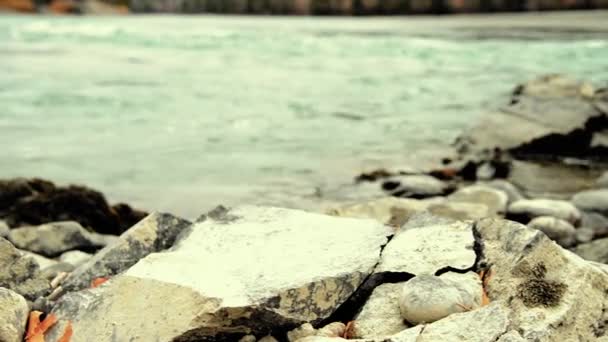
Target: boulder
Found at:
x=4, y=229
x=415, y=186
x=20, y=273
x=592, y=200
x=596, y=250
x=75, y=258
x=524, y=210
x=380, y=315
x=249, y=270
x=52, y=239
x=495, y=200
x=597, y=222
x=13, y=316
x=428, y=298
x=541, y=284
x=428, y=249
x=558, y=230
x=35, y=201
x=155, y=233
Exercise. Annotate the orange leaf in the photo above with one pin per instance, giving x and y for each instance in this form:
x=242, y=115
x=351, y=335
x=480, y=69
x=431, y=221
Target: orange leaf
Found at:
x=67, y=333
x=98, y=281
x=36, y=333
x=33, y=323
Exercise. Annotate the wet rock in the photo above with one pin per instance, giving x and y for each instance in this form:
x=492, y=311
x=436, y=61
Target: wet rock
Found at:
x=592, y=200
x=13, y=316
x=584, y=235
x=249, y=270
x=595, y=221
x=558, y=230
x=20, y=273
x=428, y=298
x=460, y=210
x=52, y=239
x=513, y=193
x=523, y=210
x=155, y=233
x=26, y=202
x=541, y=283
x=429, y=249
x=4, y=229
x=75, y=258
x=596, y=250
x=415, y=186
x=380, y=316
x=388, y=210
x=495, y=200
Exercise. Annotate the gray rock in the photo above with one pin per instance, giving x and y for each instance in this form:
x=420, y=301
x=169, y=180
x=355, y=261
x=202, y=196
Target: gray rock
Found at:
x=43, y=262
x=584, y=235
x=558, y=230
x=155, y=233
x=75, y=258
x=52, y=239
x=460, y=210
x=428, y=249
x=595, y=221
x=596, y=250
x=4, y=229
x=428, y=298
x=50, y=272
x=495, y=200
x=592, y=200
x=248, y=270
x=415, y=186
x=380, y=316
x=602, y=181
x=384, y=210
x=545, y=207
x=513, y=193
x=13, y=316
x=541, y=283
x=335, y=329
x=20, y=273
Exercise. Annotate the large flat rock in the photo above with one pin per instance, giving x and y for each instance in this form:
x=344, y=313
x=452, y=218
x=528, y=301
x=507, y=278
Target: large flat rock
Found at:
x=246, y=270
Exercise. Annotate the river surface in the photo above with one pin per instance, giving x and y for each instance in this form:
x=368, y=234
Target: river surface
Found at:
x=182, y=113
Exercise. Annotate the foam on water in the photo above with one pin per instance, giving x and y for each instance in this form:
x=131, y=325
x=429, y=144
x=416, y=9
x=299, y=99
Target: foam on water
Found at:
x=180, y=114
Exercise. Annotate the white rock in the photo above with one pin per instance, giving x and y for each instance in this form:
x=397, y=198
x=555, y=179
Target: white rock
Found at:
x=592, y=200
x=248, y=338
x=383, y=209
x=268, y=339
x=428, y=249
x=558, y=230
x=545, y=207
x=380, y=315
x=335, y=329
x=495, y=200
x=300, y=332
x=75, y=258
x=43, y=262
x=595, y=221
x=507, y=187
x=428, y=298
x=261, y=267
x=418, y=186
x=13, y=316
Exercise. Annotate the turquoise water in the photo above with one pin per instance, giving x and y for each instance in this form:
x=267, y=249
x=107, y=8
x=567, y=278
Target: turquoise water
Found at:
x=180, y=114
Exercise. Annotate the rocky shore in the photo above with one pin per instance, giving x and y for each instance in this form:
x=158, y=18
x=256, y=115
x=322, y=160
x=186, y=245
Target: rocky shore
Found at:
x=506, y=241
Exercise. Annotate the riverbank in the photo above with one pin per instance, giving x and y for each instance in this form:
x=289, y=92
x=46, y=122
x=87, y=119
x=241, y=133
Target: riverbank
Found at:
x=298, y=7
